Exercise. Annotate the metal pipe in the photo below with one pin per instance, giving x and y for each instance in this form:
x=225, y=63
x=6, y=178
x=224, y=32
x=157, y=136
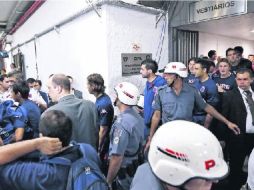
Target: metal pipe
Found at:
x=27, y=14
x=13, y=13
x=88, y=9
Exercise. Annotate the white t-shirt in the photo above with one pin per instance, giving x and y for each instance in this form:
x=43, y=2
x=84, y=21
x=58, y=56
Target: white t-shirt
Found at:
x=250, y=179
x=35, y=96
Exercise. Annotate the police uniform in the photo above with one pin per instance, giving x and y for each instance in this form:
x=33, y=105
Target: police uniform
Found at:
x=126, y=139
x=173, y=107
x=150, y=181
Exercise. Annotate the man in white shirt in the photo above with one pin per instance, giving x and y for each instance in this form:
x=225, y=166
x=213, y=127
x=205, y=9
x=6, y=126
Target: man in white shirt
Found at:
x=34, y=94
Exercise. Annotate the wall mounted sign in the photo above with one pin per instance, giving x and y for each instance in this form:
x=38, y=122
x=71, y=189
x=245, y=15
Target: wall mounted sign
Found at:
x=208, y=10
x=131, y=62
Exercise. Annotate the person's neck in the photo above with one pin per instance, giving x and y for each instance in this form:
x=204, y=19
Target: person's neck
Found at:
x=177, y=86
x=122, y=107
x=151, y=78
x=225, y=75
x=234, y=63
x=63, y=95
x=97, y=95
x=204, y=77
x=21, y=101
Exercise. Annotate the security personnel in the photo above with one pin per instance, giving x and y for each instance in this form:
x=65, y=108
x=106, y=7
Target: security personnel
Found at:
x=183, y=156
x=177, y=100
x=126, y=137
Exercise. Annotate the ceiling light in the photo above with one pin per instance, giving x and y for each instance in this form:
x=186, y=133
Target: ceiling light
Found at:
x=252, y=31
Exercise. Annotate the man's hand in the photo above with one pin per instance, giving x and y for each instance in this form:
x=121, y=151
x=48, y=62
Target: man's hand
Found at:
x=49, y=145
x=147, y=146
x=233, y=127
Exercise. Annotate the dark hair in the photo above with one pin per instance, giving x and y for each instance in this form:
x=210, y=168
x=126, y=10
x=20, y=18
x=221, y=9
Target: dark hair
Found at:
x=192, y=59
x=225, y=61
x=244, y=70
x=150, y=64
x=239, y=49
x=229, y=49
x=39, y=82
x=97, y=82
x=22, y=88
x=2, y=77
x=30, y=80
x=245, y=63
x=62, y=81
x=204, y=63
x=211, y=53
x=56, y=124
x=17, y=75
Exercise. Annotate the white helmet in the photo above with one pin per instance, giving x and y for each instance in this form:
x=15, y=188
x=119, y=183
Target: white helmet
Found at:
x=182, y=150
x=127, y=93
x=176, y=68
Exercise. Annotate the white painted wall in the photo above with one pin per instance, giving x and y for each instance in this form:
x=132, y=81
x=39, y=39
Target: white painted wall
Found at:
x=124, y=28
x=222, y=43
x=88, y=44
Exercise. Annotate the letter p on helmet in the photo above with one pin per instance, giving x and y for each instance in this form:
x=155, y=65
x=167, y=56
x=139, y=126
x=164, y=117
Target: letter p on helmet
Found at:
x=209, y=164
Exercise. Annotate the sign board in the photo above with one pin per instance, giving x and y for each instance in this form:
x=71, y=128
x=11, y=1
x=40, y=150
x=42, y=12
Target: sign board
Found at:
x=208, y=10
x=131, y=62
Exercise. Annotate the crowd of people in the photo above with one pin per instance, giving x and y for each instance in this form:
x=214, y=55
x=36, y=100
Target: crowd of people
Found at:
x=194, y=127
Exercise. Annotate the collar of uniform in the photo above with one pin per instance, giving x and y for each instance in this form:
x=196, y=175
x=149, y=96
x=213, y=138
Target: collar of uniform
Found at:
x=129, y=109
x=184, y=88
x=67, y=97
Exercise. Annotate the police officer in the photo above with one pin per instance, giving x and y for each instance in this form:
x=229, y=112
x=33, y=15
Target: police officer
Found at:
x=126, y=137
x=183, y=156
x=177, y=100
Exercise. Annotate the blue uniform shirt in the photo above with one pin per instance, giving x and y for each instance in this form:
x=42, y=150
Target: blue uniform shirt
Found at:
x=105, y=110
x=190, y=79
x=126, y=135
x=208, y=91
x=226, y=83
x=33, y=115
x=180, y=106
x=149, y=93
x=27, y=175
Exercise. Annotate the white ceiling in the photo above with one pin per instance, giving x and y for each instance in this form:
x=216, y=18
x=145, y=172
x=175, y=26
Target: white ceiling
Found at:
x=11, y=11
x=236, y=26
